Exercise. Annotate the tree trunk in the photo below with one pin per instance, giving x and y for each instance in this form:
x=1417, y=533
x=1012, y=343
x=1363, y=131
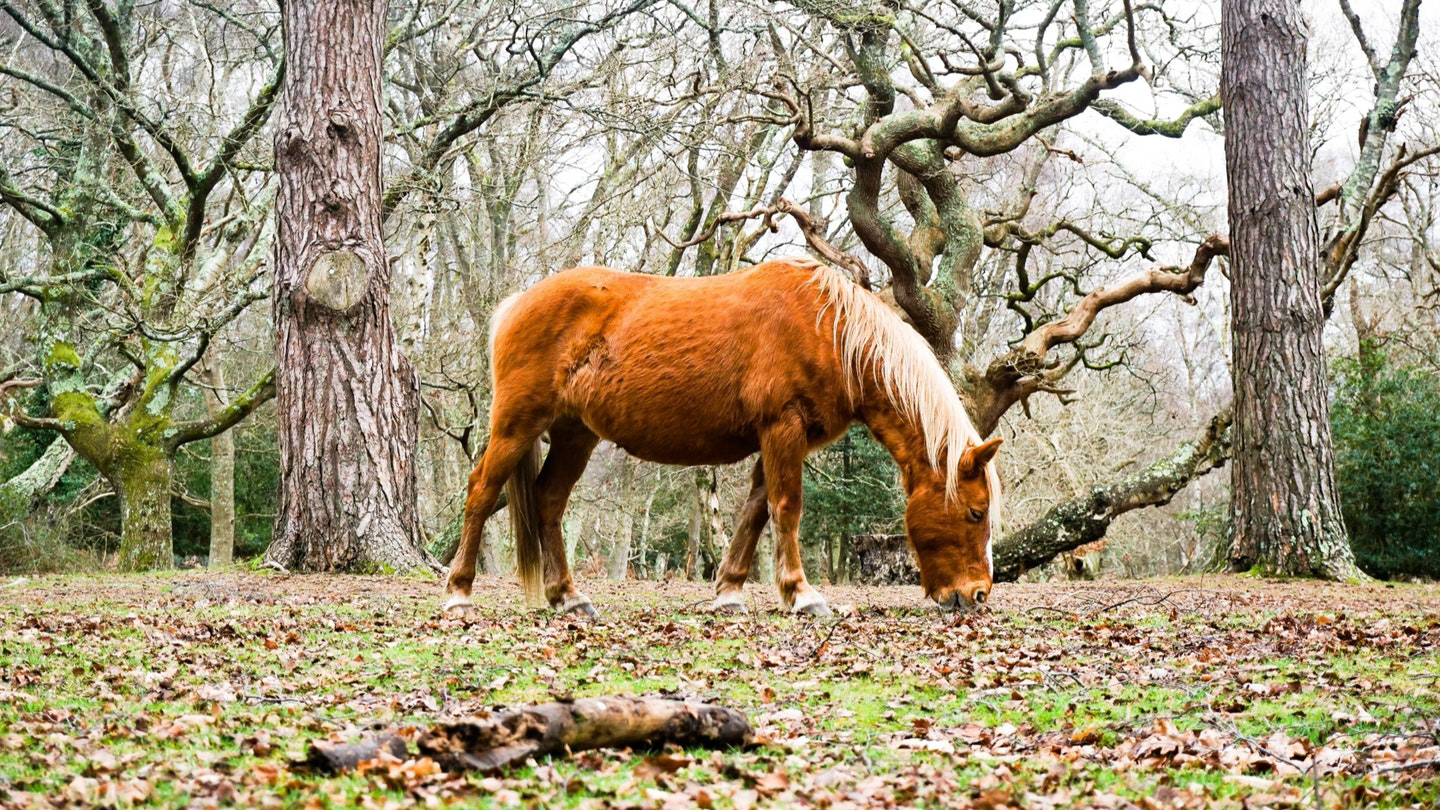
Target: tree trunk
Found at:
x=1284, y=506
x=716, y=537
x=141, y=477
x=884, y=559
x=222, y=476
x=347, y=396
x=696, y=527
x=619, y=562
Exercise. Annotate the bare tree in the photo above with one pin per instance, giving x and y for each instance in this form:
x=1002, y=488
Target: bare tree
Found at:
x=125, y=178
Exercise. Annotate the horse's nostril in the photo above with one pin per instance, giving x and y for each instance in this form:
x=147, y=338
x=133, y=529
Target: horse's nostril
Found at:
x=980, y=597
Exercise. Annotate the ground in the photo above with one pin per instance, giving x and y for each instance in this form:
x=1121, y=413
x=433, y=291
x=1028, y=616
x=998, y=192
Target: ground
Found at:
x=201, y=689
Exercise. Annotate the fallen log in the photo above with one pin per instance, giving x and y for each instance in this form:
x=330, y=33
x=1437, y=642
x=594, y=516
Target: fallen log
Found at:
x=490, y=743
x=337, y=757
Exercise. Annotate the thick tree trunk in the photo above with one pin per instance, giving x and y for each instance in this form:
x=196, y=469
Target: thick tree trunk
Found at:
x=222, y=477
x=1284, y=506
x=883, y=559
x=347, y=396
x=141, y=477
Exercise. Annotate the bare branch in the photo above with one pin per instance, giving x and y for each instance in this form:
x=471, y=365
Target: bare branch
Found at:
x=261, y=392
x=1371, y=59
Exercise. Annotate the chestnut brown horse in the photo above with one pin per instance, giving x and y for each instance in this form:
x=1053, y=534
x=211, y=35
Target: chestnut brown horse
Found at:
x=780, y=359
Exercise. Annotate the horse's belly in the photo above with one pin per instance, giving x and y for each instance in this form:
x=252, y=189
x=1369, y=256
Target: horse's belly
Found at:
x=647, y=448
x=668, y=431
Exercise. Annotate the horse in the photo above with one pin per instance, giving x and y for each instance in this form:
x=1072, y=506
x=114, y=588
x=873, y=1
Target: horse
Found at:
x=780, y=359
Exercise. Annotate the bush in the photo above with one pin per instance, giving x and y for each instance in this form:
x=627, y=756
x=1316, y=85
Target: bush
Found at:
x=33, y=544
x=851, y=487
x=1386, y=423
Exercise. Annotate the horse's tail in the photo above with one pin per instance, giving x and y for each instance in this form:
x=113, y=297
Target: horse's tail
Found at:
x=525, y=521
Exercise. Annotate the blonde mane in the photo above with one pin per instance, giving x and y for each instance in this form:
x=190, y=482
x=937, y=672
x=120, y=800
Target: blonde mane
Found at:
x=874, y=340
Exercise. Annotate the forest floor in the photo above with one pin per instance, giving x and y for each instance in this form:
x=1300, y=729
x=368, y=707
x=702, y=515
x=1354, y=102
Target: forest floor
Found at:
x=205, y=689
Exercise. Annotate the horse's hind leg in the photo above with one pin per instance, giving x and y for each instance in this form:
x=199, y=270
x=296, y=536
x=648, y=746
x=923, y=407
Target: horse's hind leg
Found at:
x=730, y=581
x=504, y=452
x=570, y=447
x=783, y=447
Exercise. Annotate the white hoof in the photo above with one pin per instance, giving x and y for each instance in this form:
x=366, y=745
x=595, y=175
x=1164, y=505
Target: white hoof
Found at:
x=729, y=603
x=580, y=603
x=458, y=603
x=810, y=602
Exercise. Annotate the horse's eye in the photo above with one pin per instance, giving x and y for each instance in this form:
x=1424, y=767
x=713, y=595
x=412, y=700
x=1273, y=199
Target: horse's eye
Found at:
x=976, y=515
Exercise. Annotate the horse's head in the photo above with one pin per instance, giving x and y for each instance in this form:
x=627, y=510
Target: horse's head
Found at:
x=951, y=535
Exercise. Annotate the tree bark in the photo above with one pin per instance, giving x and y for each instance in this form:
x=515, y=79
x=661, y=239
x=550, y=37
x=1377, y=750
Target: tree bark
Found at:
x=1284, y=506
x=43, y=474
x=619, y=563
x=696, y=526
x=347, y=396
x=141, y=477
x=222, y=476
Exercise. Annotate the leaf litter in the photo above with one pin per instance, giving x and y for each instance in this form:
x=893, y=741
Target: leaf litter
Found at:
x=200, y=690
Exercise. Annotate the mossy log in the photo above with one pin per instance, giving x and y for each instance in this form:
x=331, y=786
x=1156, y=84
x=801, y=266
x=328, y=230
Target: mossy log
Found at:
x=489, y=743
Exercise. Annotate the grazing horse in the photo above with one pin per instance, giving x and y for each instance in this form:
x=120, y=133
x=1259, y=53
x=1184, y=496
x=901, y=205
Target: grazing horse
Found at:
x=780, y=358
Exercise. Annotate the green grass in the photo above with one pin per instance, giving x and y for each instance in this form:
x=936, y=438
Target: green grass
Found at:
x=208, y=687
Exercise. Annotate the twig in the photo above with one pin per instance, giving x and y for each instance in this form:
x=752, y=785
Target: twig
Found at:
x=1411, y=766
x=815, y=653
x=1147, y=599
x=814, y=235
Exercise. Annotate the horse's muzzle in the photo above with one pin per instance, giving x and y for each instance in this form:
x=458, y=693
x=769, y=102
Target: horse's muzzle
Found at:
x=957, y=600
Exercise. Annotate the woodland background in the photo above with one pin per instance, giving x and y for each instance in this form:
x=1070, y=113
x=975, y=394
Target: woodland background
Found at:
x=136, y=243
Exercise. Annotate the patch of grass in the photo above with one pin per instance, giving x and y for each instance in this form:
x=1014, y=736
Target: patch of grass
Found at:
x=206, y=687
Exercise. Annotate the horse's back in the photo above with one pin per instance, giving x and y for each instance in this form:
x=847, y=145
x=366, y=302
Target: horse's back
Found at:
x=678, y=370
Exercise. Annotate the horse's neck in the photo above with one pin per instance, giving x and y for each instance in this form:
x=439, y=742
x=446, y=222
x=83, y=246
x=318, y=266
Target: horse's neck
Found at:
x=898, y=433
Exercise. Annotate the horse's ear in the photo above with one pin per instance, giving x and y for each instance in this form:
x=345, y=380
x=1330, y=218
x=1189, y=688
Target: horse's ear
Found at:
x=975, y=457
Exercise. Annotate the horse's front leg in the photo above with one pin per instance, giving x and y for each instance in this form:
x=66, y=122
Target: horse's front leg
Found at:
x=730, y=580
x=570, y=449
x=782, y=451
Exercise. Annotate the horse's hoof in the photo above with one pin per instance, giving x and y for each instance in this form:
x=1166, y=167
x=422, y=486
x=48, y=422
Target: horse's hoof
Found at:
x=815, y=608
x=579, y=606
x=458, y=605
x=728, y=604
